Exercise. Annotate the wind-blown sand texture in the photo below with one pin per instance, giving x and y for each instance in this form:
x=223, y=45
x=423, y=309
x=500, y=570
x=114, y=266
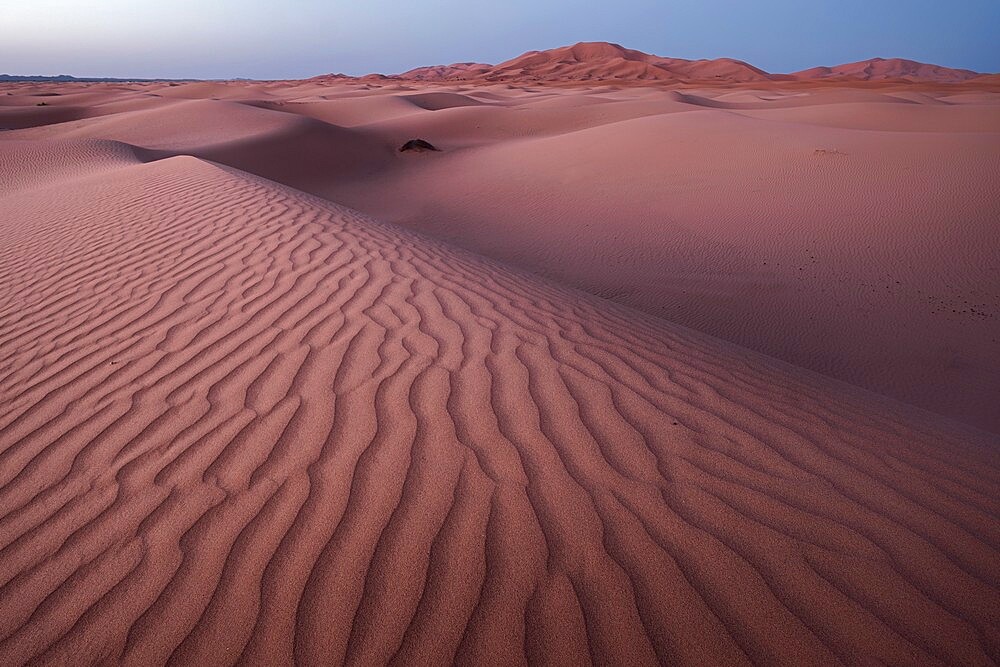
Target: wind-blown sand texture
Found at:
x=239, y=422
x=848, y=230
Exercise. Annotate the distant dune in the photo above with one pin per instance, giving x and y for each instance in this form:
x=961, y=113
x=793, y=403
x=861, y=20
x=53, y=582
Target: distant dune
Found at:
x=446, y=72
x=603, y=61
x=239, y=422
x=623, y=374
x=881, y=69
x=600, y=60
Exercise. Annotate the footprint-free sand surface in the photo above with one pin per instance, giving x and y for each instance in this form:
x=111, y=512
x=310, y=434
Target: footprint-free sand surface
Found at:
x=621, y=375
x=847, y=229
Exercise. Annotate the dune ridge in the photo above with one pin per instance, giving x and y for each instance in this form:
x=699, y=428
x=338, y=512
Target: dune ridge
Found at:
x=881, y=69
x=605, y=61
x=239, y=422
x=601, y=60
x=446, y=72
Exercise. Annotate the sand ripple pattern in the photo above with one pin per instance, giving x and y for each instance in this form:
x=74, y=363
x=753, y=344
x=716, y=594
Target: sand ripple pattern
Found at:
x=239, y=424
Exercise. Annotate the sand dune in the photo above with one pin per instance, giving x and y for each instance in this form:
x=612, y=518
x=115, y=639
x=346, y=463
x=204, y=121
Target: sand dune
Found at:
x=720, y=209
x=732, y=218
x=492, y=419
x=31, y=165
x=879, y=69
x=593, y=61
x=446, y=72
x=604, y=61
x=240, y=422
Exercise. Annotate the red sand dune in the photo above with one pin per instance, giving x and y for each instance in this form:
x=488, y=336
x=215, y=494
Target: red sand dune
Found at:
x=446, y=72
x=879, y=69
x=603, y=61
x=593, y=61
x=724, y=211
x=242, y=422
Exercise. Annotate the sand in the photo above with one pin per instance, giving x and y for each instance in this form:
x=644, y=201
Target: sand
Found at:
x=881, y=69
x=529, y=399
x=850, y=230
x=606, y=62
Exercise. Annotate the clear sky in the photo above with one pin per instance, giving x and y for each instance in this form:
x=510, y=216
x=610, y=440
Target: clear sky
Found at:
x=302, y=38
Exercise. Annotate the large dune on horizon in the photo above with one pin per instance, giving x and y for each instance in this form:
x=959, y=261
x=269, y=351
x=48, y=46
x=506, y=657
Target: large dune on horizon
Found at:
x=881, y=69
x=608, y=62
x=604, y=61
x=238, y=422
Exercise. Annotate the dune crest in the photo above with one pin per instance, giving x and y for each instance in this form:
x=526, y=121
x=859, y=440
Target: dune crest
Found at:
x=882, y=69
x=446, y=72
x=605, y=61
x=601, y=60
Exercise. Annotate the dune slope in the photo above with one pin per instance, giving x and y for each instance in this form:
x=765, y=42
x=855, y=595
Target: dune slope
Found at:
x=849, y=229
x=241, y=423
x=852, y=236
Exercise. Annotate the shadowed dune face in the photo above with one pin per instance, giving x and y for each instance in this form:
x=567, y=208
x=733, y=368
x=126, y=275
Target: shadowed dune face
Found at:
x=238, y=422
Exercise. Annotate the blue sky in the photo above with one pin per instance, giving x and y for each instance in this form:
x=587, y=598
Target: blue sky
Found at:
x=301, y=38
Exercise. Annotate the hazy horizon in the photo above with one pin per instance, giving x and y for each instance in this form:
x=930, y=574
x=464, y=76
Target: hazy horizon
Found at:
x=303, y=38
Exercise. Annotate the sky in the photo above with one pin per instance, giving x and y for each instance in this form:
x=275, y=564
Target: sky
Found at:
x=267, y=39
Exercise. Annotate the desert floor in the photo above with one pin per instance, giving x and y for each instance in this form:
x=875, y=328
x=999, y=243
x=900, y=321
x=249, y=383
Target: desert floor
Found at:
x=621, y=374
